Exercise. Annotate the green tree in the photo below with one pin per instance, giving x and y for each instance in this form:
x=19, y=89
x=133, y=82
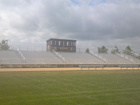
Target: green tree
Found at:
x=4, y=45
x=102, y=49
x=138, y=56
x=128, y=50
x=116, y=50
x=87, y=50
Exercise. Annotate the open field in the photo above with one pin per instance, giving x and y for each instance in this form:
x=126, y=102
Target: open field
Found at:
x=116, y=87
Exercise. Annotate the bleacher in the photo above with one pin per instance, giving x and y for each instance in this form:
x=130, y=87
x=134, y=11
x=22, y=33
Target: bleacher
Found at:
x=10, y=57
x=114, y=59
x=34, y=57
x=81, y=58
x=137, y=61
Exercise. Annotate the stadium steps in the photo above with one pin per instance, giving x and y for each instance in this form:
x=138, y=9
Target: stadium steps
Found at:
x=62, y=61
x=10, y=57
x=98, y=58
x=135, y=59
x=32, y=57
x=40, y=57
x=114, y=59
x=80, y=58
x=23, y=61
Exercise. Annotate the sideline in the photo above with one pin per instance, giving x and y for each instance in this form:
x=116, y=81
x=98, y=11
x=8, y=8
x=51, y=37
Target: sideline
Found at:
x=61, y=69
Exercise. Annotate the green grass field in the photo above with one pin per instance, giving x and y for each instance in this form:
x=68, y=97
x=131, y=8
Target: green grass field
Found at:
x=70, y=88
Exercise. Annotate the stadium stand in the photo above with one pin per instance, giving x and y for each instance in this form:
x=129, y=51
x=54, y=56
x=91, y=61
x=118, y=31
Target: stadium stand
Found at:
x=10, y=57
x=40, y=57
x=36, y=57
x=98, y=56
x=81, y=58
x=125, y=57
x=137, y=61
x=59, y=56
x=114, y=59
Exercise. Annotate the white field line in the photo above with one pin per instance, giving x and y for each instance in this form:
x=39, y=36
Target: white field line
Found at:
x=70, y=97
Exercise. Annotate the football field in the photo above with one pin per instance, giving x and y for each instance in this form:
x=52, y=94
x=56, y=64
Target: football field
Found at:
x=103, y=87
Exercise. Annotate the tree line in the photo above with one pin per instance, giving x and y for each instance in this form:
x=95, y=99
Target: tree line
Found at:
x=104, y=50
x=4, y=45
x=116, y=50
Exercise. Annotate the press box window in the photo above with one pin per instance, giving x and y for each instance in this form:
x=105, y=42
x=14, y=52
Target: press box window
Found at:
x=53, y=42
x=57, y=42
x=64, y=43
x=61, y=43
x=70, y=43
x=73, y=44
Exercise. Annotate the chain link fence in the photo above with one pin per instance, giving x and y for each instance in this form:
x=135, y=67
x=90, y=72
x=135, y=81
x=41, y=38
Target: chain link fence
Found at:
x=28, y=48
x=43, y=48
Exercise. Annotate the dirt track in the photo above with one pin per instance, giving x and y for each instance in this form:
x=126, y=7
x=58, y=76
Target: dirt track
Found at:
x=59, y=69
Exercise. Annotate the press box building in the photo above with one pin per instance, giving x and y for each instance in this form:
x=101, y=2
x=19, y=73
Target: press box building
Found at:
x=61, y=45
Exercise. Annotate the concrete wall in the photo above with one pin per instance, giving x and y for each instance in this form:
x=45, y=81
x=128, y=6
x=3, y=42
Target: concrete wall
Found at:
x=55, y=65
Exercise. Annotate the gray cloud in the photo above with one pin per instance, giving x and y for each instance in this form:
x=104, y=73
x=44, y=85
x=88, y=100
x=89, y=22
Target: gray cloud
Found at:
x=107, y=23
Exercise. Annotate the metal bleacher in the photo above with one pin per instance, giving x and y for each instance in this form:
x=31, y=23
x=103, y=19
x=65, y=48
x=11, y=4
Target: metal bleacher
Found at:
x=9, y=57
x=33, y=57
x=114, y=59
x=36, y=57
x=81, y=58
x=136, y=61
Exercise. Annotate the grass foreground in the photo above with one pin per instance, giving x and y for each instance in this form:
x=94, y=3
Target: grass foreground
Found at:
x=70, y=88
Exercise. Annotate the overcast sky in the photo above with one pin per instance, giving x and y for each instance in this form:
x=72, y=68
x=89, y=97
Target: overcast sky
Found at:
x=92, y=22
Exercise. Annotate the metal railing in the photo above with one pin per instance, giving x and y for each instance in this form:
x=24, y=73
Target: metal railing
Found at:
x=125, y=57
x=21, y=55
x=58, y=55
x=98, y=56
